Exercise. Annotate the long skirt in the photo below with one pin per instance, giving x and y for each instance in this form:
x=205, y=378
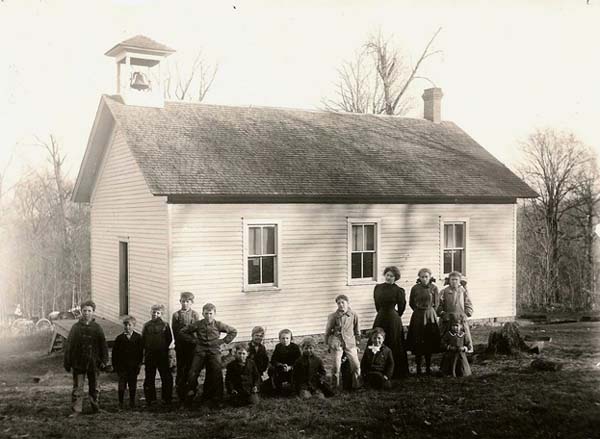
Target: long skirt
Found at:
x=423, y=333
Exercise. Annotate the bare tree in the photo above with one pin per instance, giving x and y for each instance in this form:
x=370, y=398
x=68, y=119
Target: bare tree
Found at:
x=189, y=83
x=553, y=166
x=378, y=80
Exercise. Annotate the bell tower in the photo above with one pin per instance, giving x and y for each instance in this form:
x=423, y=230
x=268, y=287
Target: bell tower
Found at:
x=139, y=63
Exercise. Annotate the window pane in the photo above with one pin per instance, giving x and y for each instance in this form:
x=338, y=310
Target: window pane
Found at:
x=254, y=240
x=448, y=236
x=370, y=237
x=268, y=269
x=253, y=270
x=459, y=235
x=268, y=241
x=458, y=261
x=356, y=265
x=368, y=264
x=447, y=261
x=357, y=238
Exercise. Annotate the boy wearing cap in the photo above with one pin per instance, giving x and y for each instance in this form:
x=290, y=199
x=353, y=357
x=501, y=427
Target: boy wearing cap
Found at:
x=184, y=351
x=157, y=338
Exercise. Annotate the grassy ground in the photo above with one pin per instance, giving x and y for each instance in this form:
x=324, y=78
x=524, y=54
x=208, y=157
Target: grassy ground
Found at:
x=503, y=399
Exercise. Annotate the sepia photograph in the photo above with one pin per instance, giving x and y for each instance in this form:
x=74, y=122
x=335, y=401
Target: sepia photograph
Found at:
x=299, y=219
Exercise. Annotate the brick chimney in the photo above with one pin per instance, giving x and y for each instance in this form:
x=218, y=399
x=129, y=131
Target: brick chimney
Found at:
x=432, y=100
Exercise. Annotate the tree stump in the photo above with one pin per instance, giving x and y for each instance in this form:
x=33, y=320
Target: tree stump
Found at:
x=507, y=340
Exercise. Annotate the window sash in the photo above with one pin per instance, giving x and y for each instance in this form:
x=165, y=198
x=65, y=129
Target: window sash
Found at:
x=261, y=259
x=454, y=251
x=364, y=249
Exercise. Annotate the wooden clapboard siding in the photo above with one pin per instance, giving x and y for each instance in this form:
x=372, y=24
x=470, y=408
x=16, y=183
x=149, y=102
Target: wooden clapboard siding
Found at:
x=207, y=258
x=124, y=208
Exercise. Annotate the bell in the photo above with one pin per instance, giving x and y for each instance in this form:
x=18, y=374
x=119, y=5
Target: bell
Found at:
x=139, y=81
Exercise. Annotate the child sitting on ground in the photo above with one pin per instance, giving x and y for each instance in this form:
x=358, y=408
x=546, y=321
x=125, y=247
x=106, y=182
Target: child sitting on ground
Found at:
x=257, y=351
x=377, y=364
x=127, y=357
x=157, y=338
x=205, y=335
x=456, y=344
x=342, y=336
x=86, y=354
x=309, y=376
x=284, y=356
x=242, y=378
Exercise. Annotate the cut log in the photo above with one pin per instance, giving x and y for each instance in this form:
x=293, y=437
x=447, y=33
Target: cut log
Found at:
x=507, y=340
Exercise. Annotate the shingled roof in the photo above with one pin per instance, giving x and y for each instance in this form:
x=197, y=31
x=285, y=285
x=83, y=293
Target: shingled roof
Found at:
x=208, y=152
x=140, y=42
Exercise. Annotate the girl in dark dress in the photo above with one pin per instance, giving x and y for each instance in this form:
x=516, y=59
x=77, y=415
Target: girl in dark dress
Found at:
x=390, y=302
x=423, y=332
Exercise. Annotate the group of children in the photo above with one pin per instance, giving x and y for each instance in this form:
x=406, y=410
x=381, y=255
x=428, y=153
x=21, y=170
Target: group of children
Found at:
x=292, y=369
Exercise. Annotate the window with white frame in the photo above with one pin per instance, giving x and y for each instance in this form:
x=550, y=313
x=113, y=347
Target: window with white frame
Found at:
x=261, y=257
x=363, y=250
x=454, y=241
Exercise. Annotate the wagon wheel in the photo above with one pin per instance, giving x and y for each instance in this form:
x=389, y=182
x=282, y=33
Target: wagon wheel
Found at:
x=44, y=325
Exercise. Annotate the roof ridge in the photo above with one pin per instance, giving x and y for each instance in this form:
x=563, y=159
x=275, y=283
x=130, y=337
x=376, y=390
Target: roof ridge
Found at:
x=303, y=110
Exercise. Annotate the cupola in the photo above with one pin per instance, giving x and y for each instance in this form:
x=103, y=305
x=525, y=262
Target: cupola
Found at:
x=139, y=63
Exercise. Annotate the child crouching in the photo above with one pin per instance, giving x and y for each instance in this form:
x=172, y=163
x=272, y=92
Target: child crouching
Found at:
x=284, y=357
x=377, y=364
x=127, y=356
x=242, y=378
x=309, y=376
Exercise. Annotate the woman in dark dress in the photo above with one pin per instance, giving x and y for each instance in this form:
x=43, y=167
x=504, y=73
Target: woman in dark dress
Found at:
x=423, y=337
x=390, y=302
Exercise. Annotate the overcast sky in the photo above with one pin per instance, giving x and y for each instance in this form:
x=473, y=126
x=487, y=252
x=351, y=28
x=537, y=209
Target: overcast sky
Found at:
x=507, y=66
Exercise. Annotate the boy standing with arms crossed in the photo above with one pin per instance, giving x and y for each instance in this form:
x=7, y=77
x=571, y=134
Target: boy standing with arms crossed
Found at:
x=86, y=354
x=184, y=351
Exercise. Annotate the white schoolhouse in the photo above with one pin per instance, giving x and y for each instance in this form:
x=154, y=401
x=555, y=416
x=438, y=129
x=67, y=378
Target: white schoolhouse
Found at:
x=269, y=213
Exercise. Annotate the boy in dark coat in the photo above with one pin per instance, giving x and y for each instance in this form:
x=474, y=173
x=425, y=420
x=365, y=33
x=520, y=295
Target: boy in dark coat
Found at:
x=257, y=351
x=127, y=357
x=86, y=354
x=309, y=376
x=205, y=335
x=184, y=351
x=242, y=378
x=284, y=356
x=377, y=364
x=157, y=338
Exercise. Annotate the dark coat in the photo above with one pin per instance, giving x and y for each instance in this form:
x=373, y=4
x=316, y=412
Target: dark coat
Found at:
x=390, y=303
x=285, y=354
x=382, y=362
x=128, y=353
x=308, y=374
x=86, y=347
x=157, y=338
x=258, y=353
x=242, y=377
